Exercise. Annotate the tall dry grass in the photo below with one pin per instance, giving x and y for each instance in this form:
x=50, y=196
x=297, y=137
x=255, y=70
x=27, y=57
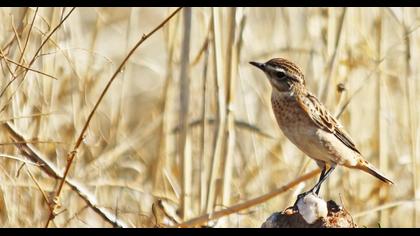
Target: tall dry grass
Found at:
x=185, y=134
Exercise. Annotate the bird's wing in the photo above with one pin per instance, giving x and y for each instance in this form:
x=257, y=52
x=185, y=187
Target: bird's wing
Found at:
x=323, y=119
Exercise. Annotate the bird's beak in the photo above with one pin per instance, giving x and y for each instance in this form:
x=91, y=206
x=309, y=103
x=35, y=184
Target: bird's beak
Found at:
x=257, y=64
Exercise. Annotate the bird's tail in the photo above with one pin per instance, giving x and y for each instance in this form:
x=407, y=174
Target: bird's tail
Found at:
x=369, y=168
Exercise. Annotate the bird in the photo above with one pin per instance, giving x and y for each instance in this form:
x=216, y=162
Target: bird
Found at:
x=306, y=122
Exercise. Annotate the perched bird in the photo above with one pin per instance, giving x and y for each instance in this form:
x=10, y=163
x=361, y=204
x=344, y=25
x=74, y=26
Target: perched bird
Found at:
x=305, y=121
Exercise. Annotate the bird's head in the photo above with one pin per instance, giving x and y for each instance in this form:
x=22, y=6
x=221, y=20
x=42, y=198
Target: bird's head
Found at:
x=282, y=74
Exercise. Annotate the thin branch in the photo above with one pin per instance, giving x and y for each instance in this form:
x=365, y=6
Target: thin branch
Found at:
x=238, y=124
x=346, y=103
x=250, y=203
x=25, y=67
x=7, y=66
x=72, y=154
x=17, y=37
x=22, y=13
x=384, y=206
x=202, y=50
x=44, y=195
x=26, y=116
x=18, y=159
x=32, y=142
x=27, y=38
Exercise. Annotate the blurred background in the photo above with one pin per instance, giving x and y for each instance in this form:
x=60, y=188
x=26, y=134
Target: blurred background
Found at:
x=187, y=128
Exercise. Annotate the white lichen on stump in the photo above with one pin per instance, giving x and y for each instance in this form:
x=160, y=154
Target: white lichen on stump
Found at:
x=311, y=212
x=312, y=207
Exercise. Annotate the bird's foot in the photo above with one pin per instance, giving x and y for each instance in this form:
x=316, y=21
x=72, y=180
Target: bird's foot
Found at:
x=302, y=196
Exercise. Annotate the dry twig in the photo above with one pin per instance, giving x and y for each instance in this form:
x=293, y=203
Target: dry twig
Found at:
x=241, y=206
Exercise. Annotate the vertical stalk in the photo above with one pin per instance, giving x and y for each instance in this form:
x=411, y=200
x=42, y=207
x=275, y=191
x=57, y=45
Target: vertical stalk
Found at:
x=183, y=117
x=221, y=107
x=230, y=79
x=380, y=129
x=163, y=129
x=327, y=84
x=409, y=101
x=203, y=182
x=18, y=21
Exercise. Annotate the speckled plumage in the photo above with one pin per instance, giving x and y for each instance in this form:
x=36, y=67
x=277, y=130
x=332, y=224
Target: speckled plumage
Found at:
x=305, y=121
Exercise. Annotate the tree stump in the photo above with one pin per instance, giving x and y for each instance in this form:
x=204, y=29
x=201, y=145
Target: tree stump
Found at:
x=312, y=212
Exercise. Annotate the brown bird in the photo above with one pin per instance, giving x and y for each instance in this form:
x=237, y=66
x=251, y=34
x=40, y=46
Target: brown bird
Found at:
x=307, y=123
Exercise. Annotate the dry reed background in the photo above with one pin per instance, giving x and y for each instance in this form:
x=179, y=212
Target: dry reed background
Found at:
x=188, y=121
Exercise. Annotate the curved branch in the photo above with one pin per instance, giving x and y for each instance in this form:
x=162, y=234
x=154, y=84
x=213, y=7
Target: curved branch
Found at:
x=241, y=206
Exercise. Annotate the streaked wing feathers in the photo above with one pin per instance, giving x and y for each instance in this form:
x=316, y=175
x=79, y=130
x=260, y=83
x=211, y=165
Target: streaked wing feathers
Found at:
x=321, y=117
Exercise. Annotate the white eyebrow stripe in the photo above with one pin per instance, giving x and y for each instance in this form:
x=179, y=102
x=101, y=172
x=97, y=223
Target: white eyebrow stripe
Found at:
x=280, y=70
x=277, y=69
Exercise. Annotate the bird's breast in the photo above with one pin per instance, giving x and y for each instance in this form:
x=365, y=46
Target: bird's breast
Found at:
x=293, y=121
x=287, y=111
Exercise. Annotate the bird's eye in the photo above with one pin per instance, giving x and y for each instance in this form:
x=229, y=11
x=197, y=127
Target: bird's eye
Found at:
x=280, y=74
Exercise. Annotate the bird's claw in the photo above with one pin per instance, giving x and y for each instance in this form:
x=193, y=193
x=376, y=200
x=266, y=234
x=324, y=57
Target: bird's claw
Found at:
x=300, y=196
x=303, y=195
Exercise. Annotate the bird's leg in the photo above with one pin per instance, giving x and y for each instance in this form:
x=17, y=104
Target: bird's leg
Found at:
x=324, y=168
x=321, y=179
x=317, y=186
